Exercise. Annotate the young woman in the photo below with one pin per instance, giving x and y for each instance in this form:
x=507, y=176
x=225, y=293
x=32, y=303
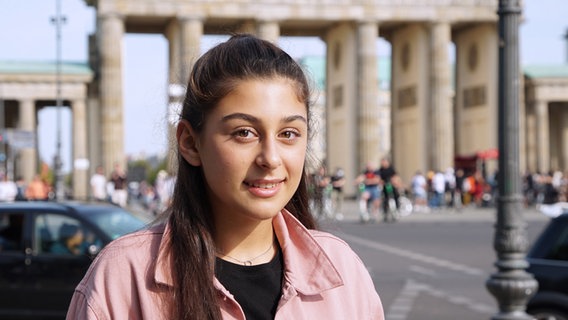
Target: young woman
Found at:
x=237, y=241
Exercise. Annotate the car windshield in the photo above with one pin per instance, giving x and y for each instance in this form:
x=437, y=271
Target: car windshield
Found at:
x=115, y=222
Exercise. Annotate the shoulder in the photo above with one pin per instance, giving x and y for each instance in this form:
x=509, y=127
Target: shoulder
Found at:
x=126, y=256
x=357, y=289
x=337, y=249
x=123, y=272
x=134, y=245
x=125, y=262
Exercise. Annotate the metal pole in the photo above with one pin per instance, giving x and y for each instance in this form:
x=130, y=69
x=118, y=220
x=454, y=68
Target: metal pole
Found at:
x=58, y=20
x=3, y=132
x=511, y=285
x=566, y=38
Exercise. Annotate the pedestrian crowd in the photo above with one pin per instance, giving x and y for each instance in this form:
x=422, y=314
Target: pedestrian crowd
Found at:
x=115, y=189
x=435, y=189
x=38, y=189
x=545, y=188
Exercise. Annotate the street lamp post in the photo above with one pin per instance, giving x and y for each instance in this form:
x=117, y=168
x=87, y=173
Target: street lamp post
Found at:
x=511, y=285
x=58, y=20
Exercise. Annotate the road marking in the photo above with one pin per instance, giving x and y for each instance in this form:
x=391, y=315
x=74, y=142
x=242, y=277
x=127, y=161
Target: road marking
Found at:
x=424, y=271
x=415, y=256
x=402, y=304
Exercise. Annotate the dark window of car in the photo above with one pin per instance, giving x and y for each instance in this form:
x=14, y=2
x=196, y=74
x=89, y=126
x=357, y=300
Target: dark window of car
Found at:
x=115, y=222
x=63, y=235
x=11, y=232
x=559, y=248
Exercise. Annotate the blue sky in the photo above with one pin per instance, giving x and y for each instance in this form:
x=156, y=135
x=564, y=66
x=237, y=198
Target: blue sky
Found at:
x=26, y=33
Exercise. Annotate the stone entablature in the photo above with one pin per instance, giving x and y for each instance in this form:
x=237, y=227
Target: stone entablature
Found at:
x=298, y=16
x=37, y=80
x=42, y=87
x=549, y=89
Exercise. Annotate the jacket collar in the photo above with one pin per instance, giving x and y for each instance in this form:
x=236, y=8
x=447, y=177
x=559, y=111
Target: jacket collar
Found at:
x=307, y=267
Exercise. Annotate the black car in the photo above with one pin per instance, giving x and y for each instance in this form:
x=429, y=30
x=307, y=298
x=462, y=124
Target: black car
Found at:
x=548, y=259
x=46, y=248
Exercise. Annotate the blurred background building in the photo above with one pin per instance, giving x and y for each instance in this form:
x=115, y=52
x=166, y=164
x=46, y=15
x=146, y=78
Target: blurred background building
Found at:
x=431, y=104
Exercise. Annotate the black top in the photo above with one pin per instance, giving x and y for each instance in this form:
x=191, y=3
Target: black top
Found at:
x=256, y=288
x=386, y=173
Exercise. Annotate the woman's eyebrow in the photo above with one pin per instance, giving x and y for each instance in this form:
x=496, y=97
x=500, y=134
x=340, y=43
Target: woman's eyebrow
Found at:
x=242, y=116
x=253, y=119
x=294, y=118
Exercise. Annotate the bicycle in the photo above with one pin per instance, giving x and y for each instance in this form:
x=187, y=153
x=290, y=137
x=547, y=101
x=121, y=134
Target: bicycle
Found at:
x=368, y=200
x=392, y=212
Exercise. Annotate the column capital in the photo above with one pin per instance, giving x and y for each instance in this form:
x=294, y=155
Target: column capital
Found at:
x=367, y=21
x=191, y=18
x=541, y=106
x=110, y=15
x=268, y=29
x=438, y=22
x=267, y=19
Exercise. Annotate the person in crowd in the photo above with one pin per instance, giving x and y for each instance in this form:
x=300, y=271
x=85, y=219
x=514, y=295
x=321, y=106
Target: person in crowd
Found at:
x=337, y=183
x=37, y=189
x=238, y=240
x=391, y=184
x=438, y=190
x=369, y=199
x=419, y=192
x=458, y=199
x=479, y=189
x=119, y=194
x=8, y=189
x=21, y=185
x=322, y=192
x=163, y=189
x=98, y=185
x=550, y=193
x=450, y=188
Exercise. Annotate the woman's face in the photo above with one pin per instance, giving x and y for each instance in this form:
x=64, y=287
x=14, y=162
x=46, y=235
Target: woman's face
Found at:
x=252, y=150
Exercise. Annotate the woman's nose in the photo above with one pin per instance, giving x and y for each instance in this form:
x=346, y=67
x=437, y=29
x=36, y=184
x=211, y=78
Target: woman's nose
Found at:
x=269, y=155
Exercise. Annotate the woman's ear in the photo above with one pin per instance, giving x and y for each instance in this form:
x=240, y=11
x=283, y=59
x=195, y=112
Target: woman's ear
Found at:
x=188, y=143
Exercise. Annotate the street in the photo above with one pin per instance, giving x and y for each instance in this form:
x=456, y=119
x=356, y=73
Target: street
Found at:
x=431, y=266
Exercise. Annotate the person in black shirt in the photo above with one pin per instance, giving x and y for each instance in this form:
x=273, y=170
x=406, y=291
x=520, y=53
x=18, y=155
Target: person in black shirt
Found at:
x=388, y=176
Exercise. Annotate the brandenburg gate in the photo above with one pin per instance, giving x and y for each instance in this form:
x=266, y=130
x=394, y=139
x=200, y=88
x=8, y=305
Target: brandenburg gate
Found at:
x=442, y=91
x=423, y=93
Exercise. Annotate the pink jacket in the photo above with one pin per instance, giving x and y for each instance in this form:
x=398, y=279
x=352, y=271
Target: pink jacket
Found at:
x=323, y=279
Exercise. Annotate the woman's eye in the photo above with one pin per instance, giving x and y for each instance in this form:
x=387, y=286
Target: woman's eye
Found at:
x=290, y=135
x=243, y=133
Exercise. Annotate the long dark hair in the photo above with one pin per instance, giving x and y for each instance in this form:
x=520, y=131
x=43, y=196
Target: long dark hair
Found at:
x=191, y=246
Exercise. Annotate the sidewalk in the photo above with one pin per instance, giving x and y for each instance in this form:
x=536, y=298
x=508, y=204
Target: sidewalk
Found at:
x=351, y=214
x=470, y=213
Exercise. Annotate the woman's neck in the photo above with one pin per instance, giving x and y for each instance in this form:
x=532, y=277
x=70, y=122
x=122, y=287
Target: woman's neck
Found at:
x=248, y=244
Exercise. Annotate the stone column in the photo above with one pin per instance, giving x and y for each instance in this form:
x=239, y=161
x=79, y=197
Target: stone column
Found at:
x=441, y=112
x=543, y=136
x=531, y=139
x=80, y=162
x=247, y=26
x=191, y=32
x=184, y=36
x=367, y=91
x=111, y=31
x=28, y=156
x=268, y=30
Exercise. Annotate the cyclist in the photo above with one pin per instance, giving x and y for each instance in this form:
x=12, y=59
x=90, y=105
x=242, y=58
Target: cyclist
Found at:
x=369, y=200
x=389, y=179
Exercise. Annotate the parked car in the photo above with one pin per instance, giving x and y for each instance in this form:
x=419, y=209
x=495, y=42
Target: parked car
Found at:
x=46, y=248
x=548, y=259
